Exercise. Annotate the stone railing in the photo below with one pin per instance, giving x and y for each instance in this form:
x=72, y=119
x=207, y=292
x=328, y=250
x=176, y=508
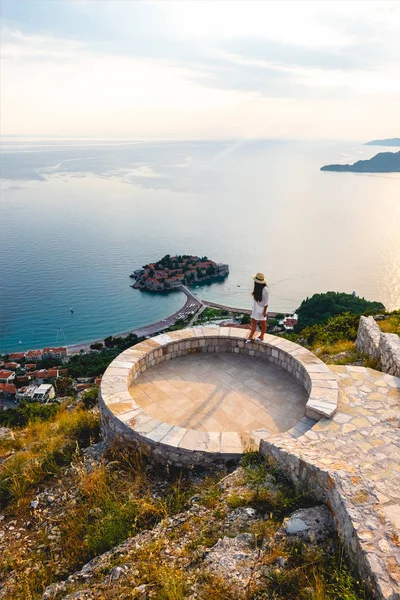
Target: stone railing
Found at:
x=383, y=347
x=123, y=418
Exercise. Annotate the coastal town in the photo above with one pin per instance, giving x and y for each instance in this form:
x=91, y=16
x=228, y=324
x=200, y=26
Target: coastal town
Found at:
x=171, y=272
x=21, y=379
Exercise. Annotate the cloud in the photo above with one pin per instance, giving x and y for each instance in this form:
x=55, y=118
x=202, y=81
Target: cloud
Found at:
x=166, y=68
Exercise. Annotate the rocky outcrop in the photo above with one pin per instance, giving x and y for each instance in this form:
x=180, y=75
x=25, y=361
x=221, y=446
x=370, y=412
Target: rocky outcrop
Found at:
x=383, y=347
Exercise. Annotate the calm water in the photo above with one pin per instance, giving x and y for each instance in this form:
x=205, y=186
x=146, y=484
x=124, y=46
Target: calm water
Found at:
x=77, y=217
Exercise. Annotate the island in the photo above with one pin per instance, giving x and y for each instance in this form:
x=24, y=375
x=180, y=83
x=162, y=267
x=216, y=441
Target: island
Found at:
x=171, y=272
x=384, y=162
x=386, y=142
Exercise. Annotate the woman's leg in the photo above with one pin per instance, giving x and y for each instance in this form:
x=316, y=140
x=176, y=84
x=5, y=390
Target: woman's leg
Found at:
x=263, y=329
x=253, y=329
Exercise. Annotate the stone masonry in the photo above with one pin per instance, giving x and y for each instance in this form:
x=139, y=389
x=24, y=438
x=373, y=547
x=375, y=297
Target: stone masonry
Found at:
x=126, y=419
x=346, y=450
x=383, y=347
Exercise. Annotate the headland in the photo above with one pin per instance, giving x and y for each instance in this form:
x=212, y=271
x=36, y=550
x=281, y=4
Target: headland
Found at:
x=384, y=162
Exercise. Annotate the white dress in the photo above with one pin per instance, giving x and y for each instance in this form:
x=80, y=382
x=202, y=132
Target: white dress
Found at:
x=258, y=307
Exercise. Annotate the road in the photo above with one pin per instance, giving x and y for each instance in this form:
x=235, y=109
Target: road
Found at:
x=192, y=305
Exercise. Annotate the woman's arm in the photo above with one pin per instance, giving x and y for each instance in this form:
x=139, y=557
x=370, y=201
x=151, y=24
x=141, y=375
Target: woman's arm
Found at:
x=266, y=300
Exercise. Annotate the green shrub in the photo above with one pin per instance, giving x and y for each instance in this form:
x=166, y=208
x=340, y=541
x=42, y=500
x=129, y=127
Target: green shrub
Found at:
x=90, y=397
x=321, y=307
x=340, y=328
x=27, y=412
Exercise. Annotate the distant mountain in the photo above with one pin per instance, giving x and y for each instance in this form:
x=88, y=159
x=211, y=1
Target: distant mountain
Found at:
x=387, y=142
x=384, y=162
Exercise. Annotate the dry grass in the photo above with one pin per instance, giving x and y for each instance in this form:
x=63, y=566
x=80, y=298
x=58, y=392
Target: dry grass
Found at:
x=47, y=446
x=390, y=325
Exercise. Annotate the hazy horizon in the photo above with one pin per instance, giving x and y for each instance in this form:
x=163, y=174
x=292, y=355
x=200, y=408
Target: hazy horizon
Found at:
x=171, y=70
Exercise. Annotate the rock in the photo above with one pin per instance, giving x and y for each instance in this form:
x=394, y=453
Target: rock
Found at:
x=294, y=526
x=34, y=504
x=6, y=434
x=116, y=573
x=141, y=590
x=309, y=524
x=80, y=595
x=50, y=499
x=233, y=559
x=241, y=519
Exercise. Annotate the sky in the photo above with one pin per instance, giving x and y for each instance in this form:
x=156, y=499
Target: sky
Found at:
x=205, y=69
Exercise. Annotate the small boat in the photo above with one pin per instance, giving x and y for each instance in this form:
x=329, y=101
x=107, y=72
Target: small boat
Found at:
x=71, y=309
x=19, y=342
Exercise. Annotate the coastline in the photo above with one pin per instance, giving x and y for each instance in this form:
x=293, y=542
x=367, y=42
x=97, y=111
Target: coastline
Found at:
x=151, y=328
x=191, y=305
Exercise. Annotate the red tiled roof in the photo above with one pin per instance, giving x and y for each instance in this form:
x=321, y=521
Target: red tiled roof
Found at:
x=42, y=374
x=290, y=322
x=4, y=374
x=52, y=373
x=11, y=365
x=30, y=366
x=17, y=355
x=54, y=350
x=33, y=353
x=10, y=388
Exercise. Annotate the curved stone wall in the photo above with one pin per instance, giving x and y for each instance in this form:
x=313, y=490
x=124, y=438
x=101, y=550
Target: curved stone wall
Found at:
x=121, y=417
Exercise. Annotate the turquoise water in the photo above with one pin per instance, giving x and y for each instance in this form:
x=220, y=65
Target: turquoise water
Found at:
x=77, y=217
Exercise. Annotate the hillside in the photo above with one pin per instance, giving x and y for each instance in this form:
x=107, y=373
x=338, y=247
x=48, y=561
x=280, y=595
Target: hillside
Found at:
x=107, y=525
x=385, y=142
x=384, y=162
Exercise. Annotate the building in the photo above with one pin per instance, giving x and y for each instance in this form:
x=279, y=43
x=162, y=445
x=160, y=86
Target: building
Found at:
x=7, y=391
x=17, y=356
x=33, y=355
x=60, y=352
x=6, y=376
x=42, y=393
x=12, y=366
x=289, y=322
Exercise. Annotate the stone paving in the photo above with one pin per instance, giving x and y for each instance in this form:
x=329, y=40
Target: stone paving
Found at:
x=221, y=392
x=349, y=458
x=359, y=451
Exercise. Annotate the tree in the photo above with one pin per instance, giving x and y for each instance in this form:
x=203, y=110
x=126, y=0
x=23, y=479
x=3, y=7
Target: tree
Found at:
x=109, y=342
x=96, y=346
x=89, y=397
x=210, y=270
x=64, y=386
x=246, y=319
x=321, y=307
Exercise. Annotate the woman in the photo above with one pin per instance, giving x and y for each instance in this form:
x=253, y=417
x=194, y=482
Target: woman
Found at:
x=260, y=307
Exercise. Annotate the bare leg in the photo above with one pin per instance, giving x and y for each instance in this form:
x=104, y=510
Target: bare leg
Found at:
x=263, y=329
x=253, y=329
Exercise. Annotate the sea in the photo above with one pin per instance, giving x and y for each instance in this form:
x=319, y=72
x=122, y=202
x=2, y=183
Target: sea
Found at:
x=78, y=216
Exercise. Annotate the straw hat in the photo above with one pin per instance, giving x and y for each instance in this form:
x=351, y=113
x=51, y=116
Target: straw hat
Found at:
x=260, y=278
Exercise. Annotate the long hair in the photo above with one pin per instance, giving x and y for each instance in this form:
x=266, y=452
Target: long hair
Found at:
x=258, y=290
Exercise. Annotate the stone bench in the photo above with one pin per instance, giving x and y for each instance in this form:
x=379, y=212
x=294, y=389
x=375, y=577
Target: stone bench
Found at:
x=124, y=419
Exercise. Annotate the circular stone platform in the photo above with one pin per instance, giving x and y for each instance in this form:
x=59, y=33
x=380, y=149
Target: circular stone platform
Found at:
x=211, y=396
x=221, y=392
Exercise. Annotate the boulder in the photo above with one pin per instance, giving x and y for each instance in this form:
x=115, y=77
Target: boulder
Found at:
x=313, y=525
